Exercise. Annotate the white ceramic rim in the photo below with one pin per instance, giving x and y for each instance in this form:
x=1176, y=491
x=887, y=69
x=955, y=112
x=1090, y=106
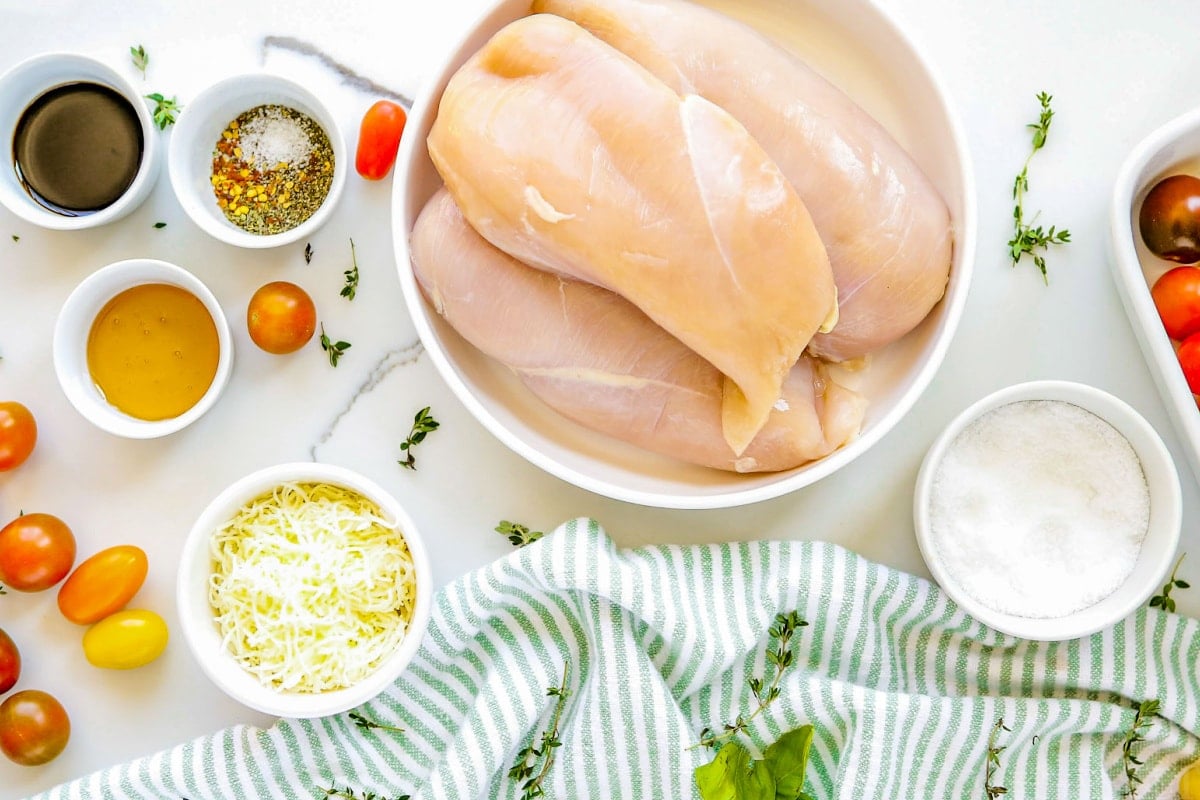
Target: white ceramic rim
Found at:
x=196, y=197
x=87, y=70
x=955, y=299
x=195, y=614
x=1166, y=512
x=70, y=345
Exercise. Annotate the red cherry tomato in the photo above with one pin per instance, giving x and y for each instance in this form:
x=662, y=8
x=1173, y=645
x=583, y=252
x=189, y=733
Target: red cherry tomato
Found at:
x=1189, y=360
x=1176, y=295
x=34, y=727
x=103, y=584
x=18, y=434
x=379, y=139
x=281, y=317
x=10, y=662
x=36, y=552
x=1170, y=219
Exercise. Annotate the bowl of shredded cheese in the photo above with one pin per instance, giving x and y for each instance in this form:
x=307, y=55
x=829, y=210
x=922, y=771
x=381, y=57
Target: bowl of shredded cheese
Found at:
x=304, y=590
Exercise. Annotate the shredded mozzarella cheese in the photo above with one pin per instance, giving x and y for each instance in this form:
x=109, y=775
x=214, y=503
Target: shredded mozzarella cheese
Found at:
x=312, y=588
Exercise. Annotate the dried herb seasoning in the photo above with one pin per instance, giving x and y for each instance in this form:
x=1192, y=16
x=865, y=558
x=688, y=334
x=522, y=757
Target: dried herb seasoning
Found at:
x=272, y=169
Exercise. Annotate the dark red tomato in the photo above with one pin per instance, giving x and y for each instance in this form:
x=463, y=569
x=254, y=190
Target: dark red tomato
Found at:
x=1177, y=297
x=379, y=139
x=1170, y=219
x=18, y=434
x=10, y=662
x=1189, y=359
x=36, y=552
x=103, y=584
x=281, y=317
x=34, y=727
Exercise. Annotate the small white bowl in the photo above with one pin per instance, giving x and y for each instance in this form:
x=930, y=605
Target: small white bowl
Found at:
x=860, y=49
x=196, y=614
x=194, y=139
x=75, y=323
x=1158, y=548
x=28, y=81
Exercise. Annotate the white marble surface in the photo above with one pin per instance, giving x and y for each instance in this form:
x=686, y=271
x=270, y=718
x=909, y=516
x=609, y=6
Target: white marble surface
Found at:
x=1116, y=69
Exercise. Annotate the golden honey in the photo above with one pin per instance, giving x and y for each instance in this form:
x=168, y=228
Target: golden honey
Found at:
x=152, y=351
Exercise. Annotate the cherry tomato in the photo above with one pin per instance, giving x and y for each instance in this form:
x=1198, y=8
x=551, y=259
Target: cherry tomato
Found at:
x=1189, y=359
x=125, y=640
x=1170, y=219
x=36, y=552
x=379, y=139
x=103, y=584
x=281, y=317
x=18, y=434
x=1176, y=295
x=10, y=662
x=34, y=727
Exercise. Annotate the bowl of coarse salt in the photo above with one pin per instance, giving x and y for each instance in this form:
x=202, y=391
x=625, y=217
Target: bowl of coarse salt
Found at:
x=1048, y=510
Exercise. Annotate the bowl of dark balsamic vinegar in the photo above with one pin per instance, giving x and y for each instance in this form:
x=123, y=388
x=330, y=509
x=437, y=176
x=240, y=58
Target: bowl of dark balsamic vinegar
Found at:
x=81, y=144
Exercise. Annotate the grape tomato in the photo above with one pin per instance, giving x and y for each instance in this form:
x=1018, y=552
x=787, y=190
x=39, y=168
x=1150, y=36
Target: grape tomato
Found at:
x=125, y=640
x=18, y=434
x=36, y=552
x=379, y=139
x=10, y=662
x=103, y=584
x=1169, y=219
x=34, y=727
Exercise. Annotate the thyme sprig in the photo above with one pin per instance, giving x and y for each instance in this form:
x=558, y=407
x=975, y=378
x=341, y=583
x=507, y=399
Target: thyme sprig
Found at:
x=335, y=349
x=368, y=724
x=526, y=770
x=779, y=653
x=993, y=761
x=351, y=287
x=423, y=425
x=140, y=59
x=1146, y=711
x=519, y=535
x=164, y=110
x=350, y=794
x=1164, y=600
x=1028, y=240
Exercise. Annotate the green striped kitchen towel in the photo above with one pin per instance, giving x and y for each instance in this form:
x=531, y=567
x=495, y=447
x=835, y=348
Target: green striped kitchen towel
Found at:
x=902, y=688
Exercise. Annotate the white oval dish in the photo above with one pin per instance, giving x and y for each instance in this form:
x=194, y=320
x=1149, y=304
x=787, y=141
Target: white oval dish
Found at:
x=75, y=322
x=1158, y=548
x=859, y=48
x=196, y=614
x=194, y=138
x=1135, y=268
x=28, y=81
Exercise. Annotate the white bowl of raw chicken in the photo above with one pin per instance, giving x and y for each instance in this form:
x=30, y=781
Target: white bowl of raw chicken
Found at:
x=862, y=51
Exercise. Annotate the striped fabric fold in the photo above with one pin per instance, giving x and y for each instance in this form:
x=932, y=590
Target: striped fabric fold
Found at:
x=902, y=688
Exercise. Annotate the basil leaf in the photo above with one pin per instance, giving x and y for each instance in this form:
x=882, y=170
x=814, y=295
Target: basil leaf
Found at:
x=787, y=759
x=715, y=780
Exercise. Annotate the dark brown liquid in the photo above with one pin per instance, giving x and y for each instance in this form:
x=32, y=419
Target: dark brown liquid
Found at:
x=77, y=148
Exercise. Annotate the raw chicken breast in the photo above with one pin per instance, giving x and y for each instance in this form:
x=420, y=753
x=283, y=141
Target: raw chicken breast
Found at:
x=886, y=228
x=572, y=158
x=598, y=360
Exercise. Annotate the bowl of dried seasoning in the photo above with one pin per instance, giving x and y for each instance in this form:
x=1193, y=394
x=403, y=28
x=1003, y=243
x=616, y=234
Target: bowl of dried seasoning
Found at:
x=257, y=161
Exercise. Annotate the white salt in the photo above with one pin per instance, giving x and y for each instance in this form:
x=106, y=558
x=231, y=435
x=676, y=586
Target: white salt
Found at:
x=273, y=137
x=1039, y=508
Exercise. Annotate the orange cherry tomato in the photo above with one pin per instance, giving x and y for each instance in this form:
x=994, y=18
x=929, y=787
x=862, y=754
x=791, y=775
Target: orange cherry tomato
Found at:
x=36, y=552
x=10, y=662
x=379, y=139
x=18, y=434
x=103, y=584
x=281, y=317
x=34, y=727
x=1176, y=295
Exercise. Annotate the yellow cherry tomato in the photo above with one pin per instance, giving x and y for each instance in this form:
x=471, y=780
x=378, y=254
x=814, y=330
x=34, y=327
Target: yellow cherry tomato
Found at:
x=126, y=639
x=1189, y=784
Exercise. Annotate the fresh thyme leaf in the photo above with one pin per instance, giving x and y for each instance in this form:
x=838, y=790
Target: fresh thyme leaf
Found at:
x=423, y=424
x=308, y=253
x=1027, y=239
x=3, y=590
x=350, y=794
x=16, y=238
x=351, y=287
x=164, y=110
x=1164, y=600
x=525, y=769
x=517, y=533
x=1142, y=719
x=160, y=225
x=369, y=724
x=993, y=761
x=335, y=349
x=140, y=59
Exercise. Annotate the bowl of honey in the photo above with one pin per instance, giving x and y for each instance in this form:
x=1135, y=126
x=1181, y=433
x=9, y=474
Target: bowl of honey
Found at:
x=142, y=348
